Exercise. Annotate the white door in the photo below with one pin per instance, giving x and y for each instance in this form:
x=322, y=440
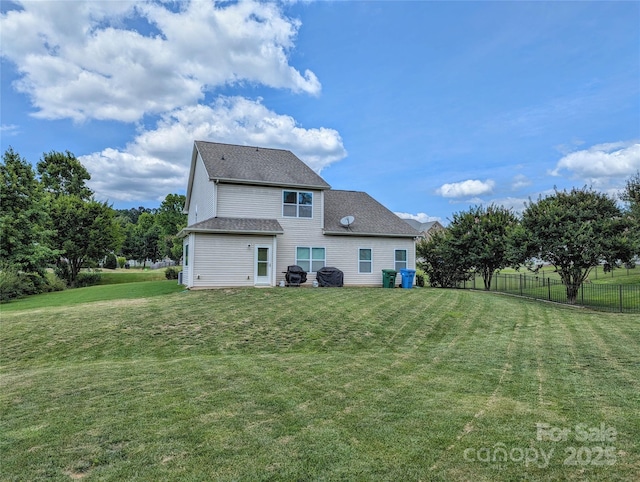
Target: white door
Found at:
x=263, y=265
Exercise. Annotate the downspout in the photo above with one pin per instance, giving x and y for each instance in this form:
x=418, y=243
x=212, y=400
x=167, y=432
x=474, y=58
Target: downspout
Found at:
x=274, y=260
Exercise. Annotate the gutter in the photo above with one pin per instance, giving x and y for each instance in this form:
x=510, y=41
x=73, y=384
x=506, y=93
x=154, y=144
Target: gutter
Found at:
x=377, y=235
x=270, y=183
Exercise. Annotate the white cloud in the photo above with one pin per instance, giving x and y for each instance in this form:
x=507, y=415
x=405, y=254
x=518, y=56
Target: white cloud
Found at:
x=518, y=205
x=602, y=161
x=420, y=217
x=157, y=161
x=9, y=129
x=520, y=181
x=469, y=187
x=78, y=60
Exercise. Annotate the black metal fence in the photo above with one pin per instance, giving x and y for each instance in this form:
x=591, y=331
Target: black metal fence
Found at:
x=603, y=297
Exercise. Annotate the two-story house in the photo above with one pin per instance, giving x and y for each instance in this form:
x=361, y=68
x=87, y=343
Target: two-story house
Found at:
x=254, y=211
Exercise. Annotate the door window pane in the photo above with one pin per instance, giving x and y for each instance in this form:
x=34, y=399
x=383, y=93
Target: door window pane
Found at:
x=263, y=262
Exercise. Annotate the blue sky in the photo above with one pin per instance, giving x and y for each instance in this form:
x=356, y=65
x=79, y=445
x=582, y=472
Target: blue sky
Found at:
x=430, y=107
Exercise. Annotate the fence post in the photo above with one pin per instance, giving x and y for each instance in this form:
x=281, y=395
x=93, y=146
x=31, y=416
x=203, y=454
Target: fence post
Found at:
x=520, y=285
x=621, y=310
x=549, y=286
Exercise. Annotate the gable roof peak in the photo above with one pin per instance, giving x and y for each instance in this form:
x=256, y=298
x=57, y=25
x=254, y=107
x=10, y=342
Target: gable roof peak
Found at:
x=257, y=165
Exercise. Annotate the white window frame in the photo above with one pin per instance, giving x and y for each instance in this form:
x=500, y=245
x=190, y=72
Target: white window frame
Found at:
x=395, y=260
x=370, y=261
x=298, y=205
x=311, y=260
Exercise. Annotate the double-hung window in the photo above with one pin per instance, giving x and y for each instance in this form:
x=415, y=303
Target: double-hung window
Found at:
x=401, y=259
x=297, y=204
x=310, y=259
x=365, y=260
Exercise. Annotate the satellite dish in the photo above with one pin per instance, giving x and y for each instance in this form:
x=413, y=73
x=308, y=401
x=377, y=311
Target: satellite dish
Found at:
x=347, y=221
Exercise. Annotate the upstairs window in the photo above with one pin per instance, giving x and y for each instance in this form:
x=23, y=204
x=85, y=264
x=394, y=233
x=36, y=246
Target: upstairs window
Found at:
x=297, y=204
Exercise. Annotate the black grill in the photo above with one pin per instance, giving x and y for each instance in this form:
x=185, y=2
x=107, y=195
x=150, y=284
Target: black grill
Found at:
x=295, y=275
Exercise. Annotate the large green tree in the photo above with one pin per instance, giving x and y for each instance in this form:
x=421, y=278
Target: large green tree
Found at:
x=142, y=241
x=84, y=230
x=170, y=219
x=575, y=231
x=631, y=196
x=480, y=239
x=438, y=259
x=62, y=174
x=23, y=217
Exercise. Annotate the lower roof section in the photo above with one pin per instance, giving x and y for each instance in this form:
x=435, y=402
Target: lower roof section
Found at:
x=235, y=226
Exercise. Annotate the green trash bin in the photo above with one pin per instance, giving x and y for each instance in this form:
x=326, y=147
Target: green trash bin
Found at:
x=389, y=278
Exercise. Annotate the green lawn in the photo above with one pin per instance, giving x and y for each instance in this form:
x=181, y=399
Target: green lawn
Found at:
x=133, y=275
x=318, y=384
x=110, y=292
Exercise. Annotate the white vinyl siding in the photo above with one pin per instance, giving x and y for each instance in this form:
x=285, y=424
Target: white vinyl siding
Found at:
x=343, y=253
x=242, y=201
x=202, y=203
x=224, y=260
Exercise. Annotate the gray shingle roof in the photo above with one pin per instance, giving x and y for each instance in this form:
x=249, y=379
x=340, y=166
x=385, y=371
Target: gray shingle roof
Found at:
x=236, y=225
x=371, y=217
x=257, y=165
x=422, y=227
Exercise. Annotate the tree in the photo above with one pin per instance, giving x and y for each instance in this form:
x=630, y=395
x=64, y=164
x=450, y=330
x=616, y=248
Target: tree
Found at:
x=575, y=231
x=23, y=216
x=170, y=219
x=480, y=240
x=85, y=231
x=133, y=214
x=440, y=262
x=142, y=239
x=62, y=174
x=631, y=193
x=149, y=233
x=631, y=196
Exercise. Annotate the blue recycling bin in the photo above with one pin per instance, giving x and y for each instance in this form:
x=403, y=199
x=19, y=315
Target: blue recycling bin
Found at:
x=407, y=277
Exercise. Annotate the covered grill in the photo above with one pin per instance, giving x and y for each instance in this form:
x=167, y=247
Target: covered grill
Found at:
x=295, y=275
x=330, y=277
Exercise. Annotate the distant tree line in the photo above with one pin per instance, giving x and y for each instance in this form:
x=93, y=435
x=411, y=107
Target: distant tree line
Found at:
x=573, y=231
x=50, y=219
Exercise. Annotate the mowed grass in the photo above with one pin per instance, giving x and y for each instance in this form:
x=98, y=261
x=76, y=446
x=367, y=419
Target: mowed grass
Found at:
x=133, y=275
x=318, y=384
x=111, y=292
